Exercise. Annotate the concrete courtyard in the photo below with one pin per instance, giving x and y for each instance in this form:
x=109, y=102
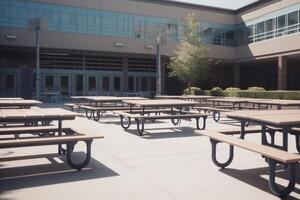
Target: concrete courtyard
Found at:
x=167, y=163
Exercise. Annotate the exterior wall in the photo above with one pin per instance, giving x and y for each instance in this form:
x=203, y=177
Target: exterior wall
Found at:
x=151, y=8
x=269, y=48
x=83, y=42
x=262, y=10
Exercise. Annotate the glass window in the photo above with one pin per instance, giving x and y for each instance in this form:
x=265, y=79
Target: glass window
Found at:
x=117, y=83
x=206, y=32
x=130, y=84
x=109, y=23
x=259, y=31
x=82, y=20
x=69, y=19
x=79, y=83
x=105, y=84
x=229, y=39
x=144, y=84
x=292, y=22
x=92, y=83
x=9, y=83
x=269, y=28
x=49, y=82
x=217, y=35
x=139, y=27
x=123, y=25
x=281, y=24
x=153, y=84
x=94, y=22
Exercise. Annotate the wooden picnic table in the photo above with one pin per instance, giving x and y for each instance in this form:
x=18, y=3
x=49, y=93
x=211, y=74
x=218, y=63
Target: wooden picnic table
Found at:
x=10, y=98
x=274, y=102
x=36, y=115
x=20, y=103
x=271, y=121
x=175, y=113
x=159, y=103
x=105, y=99
x=233, y=101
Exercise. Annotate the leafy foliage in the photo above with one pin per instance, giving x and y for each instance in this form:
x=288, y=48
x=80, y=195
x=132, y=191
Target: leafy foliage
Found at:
x=217, y=91
x=190, y=62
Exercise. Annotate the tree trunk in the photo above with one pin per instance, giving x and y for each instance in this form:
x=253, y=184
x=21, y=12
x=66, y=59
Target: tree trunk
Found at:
x=189, y=87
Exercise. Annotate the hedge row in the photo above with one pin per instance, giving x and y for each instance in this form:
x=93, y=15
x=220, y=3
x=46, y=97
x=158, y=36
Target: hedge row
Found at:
x=293, y=95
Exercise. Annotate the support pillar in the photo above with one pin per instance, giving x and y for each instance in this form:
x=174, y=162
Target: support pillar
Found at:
x=124, y=87
x=236, y=75
x=282, y=73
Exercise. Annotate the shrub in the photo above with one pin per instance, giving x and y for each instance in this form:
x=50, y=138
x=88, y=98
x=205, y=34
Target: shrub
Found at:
x=217, y=91
x=276, y=94
x=192, y=91
x=232, y=91
x=256, y=89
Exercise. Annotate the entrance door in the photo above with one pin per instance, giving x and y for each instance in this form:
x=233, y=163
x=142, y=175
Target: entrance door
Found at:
x=79, y=85
x=65, y=86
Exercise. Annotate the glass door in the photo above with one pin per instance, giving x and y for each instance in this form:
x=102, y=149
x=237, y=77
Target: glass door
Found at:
x=65, y=86
x=78, y=85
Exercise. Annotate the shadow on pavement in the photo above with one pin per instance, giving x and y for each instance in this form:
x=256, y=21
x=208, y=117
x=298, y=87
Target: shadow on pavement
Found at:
x=48, y=174
x=254, y=178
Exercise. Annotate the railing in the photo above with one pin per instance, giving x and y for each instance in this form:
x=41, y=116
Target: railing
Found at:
x=287, y=30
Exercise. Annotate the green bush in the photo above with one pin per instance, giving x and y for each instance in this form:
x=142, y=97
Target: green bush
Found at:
x=192, y=91
x=217, y=91
x=232, y=91
x=256, y=89
x=276, y=94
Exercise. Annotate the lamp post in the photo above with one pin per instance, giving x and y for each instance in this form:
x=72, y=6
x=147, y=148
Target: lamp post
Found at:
x=37, y=50
x=36, y=25
x=158, y=67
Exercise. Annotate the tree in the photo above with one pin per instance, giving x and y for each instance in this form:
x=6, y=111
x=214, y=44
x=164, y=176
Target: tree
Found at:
x=190, y=62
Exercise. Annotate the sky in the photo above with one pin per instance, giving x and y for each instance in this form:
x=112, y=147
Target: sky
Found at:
x=227, y=4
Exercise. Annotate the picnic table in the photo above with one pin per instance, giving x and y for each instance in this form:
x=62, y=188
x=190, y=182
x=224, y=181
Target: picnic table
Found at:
x=233, y=102
x=18, y=103
x=274, y=102
x=271, y=121
x=44, y=135
x=172, y=108
x=10, y=98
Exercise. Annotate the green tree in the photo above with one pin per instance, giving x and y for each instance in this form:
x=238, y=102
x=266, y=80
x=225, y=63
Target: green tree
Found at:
x=190, y=62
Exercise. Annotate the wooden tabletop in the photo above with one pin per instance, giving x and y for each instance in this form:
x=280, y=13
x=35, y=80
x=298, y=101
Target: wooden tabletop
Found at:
x=229, y=100
x=10, y=98
x=19, y=102
x=36, y=113
x=161, y=102
x=270, y=117
x=280, y=102
x=106, y=98
x=184, y=97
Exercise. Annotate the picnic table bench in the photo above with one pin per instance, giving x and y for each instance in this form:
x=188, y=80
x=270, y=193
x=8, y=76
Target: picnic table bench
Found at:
x=216, y=111
x=175, y=119
x=172, y=109
x=69, y=137
x=18, y=103
x=273, y=156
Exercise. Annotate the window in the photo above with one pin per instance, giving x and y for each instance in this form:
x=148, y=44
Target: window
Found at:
x=109, y=23
x=117, y=83
x=281, y=24
x=259, y=31
x=69, y=20
x=82, y=20
x=292, y=22
x=130, y=83
x=153, y=84
x=269, y=28
x=94, y=22
x=9, y=82
x=49, y=82
x=139, y=27
x=92, y=83
x=79, y=83
x=144, y=84
x=250, y=31
x=105, y=84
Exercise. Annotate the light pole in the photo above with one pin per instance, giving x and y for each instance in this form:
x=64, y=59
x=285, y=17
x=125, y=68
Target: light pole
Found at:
x=36, y=25
x=158, y=67
x=37, y=46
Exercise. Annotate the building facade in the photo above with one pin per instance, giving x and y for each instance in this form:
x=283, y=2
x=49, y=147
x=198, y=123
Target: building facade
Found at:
x=102, y=47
